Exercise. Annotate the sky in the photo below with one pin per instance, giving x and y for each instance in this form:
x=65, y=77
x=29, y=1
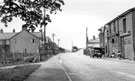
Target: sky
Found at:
x=70, y=25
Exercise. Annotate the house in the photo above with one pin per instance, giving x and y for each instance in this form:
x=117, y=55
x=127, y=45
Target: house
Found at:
x=103, y=39
x=93, y=42
x=23, y=42
x=120, y=35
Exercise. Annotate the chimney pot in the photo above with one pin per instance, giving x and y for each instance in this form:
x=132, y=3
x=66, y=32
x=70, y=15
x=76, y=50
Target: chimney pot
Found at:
x=24, y=28
x=1, y=31
x=40, y=30
x=13, y=30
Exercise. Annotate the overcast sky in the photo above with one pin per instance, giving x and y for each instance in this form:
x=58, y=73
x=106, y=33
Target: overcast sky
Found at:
x=70, y=24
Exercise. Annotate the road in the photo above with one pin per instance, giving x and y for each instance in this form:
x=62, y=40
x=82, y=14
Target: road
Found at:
x=78, y=67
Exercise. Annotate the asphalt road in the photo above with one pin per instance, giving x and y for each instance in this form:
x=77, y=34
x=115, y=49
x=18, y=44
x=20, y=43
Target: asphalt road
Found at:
x=78, y=67
x=83, y=68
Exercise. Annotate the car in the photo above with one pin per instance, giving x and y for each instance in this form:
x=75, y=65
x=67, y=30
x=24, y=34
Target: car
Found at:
x=97, y=53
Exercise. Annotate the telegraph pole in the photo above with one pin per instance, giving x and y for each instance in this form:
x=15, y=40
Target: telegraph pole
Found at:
x=86, y=37
x=45, y=50
x=72, y=46
x=53, y=35
x=58, y=42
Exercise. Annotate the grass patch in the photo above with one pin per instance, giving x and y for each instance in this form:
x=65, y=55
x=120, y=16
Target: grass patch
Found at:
x=18, y=73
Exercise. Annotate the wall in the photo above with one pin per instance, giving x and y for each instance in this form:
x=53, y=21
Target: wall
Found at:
x=24, y=41
x=127, y=42
x=133, y=32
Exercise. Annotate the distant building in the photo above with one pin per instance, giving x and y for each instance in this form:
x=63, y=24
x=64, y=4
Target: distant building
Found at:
x=93, y=42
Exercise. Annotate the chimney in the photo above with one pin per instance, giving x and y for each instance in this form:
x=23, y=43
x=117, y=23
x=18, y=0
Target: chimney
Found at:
x=94, y=37
x=13, y=30
x=24, y=28
x=1, y=31
x=40, y=30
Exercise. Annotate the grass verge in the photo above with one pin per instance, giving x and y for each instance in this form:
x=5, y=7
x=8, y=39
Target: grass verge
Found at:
x=18, y=73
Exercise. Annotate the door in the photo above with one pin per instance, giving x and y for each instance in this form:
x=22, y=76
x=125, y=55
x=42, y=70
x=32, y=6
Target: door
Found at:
x=122, y=43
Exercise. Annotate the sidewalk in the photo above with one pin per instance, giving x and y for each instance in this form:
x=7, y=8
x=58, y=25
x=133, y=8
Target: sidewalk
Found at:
x=120, y=60
x=51, y=70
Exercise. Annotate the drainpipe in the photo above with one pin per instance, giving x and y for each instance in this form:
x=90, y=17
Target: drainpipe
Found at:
x=119, y=47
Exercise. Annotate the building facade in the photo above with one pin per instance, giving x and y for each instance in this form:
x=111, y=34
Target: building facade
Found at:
x=93, y=42
x=22, y=42
x=119, y=35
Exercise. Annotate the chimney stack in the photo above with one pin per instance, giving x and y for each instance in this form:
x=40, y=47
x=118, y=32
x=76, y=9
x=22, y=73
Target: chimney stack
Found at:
x=40, y=30
x=24, y=28
x=1, y=31
x=13, y=30
x=94, y=37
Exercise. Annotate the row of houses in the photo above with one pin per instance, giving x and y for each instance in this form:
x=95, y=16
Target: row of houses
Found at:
x=25, y=43
x=118, y=35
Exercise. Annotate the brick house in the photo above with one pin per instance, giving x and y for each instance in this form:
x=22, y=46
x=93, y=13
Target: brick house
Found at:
x=93, y=42
x=121, y=34
x=103, y=39
x=21, y=42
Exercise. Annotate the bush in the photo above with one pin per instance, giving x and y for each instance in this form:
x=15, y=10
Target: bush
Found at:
x=18, y=73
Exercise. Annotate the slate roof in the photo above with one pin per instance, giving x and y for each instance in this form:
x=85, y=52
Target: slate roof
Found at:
x=94, y=41
x=4, y=36
x=122, y=15
x=38, y=34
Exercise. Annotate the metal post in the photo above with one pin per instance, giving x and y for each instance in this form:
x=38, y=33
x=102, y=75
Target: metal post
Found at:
x=44, y=33
x=86, y=37
x=53, y=42
x=72, y=46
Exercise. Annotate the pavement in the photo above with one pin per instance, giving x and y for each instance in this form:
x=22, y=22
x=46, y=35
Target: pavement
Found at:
x=121, y=60
x=50, y=70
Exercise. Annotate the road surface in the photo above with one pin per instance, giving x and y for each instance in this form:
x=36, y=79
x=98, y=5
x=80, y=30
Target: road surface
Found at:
x=78, y=67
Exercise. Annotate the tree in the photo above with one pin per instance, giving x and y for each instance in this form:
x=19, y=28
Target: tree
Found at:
x=30, y=11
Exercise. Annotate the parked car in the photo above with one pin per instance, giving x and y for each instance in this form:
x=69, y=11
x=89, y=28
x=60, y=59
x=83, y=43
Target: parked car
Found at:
x=97, y=52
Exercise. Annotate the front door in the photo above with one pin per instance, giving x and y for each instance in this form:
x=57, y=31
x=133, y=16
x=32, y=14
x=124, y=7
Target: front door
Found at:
x=122, y=46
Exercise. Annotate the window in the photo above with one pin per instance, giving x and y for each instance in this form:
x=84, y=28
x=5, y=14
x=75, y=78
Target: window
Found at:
x=110, y=28
x=112, y=40
x=124, y=25
x=15, y=41
x=0, y=42
x=114, y=25
x=7, y=41
x=107, y=32
x=32, y=40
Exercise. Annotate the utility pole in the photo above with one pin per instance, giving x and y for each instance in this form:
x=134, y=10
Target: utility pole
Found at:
x=53, y=35
x=45, y=50
x=86, y=37
x=72, y=46
x=58, y=42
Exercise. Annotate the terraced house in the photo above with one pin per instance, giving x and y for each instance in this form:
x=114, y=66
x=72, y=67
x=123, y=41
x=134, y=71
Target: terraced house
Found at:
x=120, y=35
x=21, y=42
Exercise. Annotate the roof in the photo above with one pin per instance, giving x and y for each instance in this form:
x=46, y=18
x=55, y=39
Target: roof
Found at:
x=123, y=14
x=94, y=41
x=6, y=35
x=38, y=34
x=41, y=35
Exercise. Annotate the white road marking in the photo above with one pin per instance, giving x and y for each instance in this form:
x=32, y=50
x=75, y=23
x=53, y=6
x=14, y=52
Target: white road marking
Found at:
x=60, y=61
x=64, y=70
x=125, y=74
